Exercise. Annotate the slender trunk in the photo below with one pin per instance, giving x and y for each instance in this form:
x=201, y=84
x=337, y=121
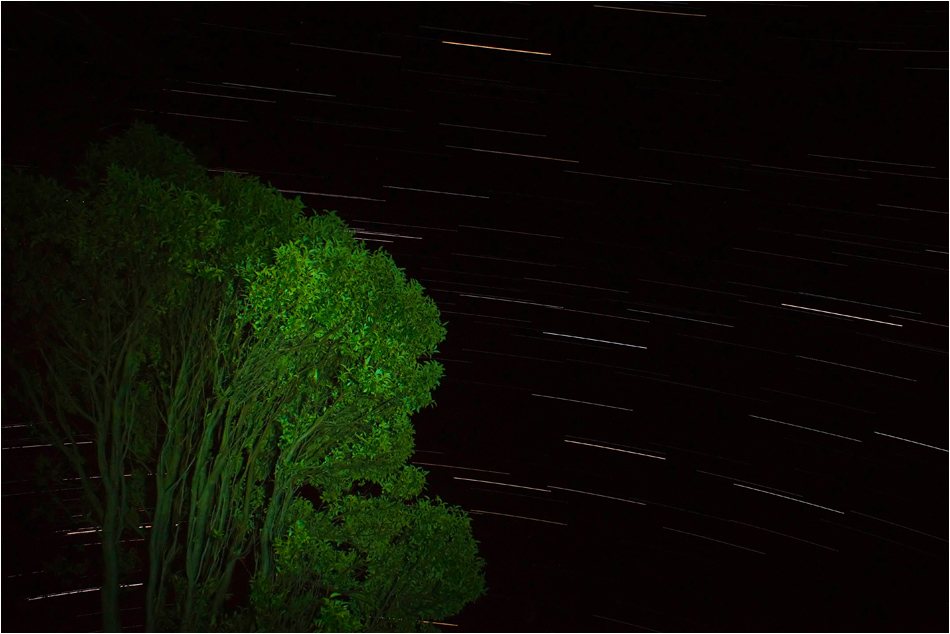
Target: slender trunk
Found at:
x=110, y=557
x=158, y=544
x=167, y=486
x=272, y=523
x=221, y=594
x=113, y=440
x=112, y=519
x=193, y=552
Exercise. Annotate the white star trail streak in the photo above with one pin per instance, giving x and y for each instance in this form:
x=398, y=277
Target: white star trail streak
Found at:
x=788, y=498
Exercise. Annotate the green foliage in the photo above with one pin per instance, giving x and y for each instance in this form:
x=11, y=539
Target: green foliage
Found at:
x=253, y=352
x=354, y=330
x=335, y=616
x=144, y=150
x=379, y=564
x=30, y=258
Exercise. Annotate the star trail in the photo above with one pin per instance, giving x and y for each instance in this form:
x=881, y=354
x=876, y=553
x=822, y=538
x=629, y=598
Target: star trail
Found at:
x=692, y=260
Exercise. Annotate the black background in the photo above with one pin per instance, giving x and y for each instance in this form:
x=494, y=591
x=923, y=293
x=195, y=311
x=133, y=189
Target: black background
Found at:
x=715, y=161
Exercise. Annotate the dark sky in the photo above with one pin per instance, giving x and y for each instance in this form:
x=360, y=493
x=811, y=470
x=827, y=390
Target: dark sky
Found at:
x=693, y=260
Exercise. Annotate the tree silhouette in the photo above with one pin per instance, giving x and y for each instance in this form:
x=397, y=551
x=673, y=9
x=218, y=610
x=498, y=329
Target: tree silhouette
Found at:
x=226, y=353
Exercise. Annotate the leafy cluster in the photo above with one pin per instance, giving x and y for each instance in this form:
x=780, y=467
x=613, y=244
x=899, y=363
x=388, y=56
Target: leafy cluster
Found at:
x=389, y=564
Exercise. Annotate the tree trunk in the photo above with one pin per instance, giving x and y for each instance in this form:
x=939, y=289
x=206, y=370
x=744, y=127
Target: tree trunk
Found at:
x=158, y=543
x=110, y=557
x=221, y=594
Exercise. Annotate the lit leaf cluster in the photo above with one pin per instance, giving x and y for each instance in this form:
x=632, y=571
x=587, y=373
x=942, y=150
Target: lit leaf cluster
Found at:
x=390, y=563
x=365, y=377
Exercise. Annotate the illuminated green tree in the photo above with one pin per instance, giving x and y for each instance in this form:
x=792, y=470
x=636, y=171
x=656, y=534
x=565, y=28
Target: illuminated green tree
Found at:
x=229, y=352
x=342, y=333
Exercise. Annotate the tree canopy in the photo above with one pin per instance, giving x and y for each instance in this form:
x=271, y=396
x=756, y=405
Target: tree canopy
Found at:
x=247, y=375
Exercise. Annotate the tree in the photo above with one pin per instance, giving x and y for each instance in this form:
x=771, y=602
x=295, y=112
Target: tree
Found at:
x=324, y=375
x=93, y=272
x=84, y=332
x=230, y=352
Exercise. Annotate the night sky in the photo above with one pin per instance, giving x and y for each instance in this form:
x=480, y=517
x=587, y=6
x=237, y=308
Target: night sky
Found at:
x=692, y=260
